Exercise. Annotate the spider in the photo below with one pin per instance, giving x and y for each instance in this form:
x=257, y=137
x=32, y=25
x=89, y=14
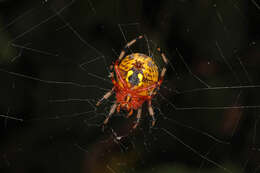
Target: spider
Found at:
x=137, y=81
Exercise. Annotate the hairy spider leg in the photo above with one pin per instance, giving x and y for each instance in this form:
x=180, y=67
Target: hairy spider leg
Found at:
x=112, y=110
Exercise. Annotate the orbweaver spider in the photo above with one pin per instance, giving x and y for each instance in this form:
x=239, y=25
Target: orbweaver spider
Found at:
x=137, y=80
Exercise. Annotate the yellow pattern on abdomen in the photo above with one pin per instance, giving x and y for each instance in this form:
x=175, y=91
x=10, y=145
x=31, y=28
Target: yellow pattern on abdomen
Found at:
x=145, y=65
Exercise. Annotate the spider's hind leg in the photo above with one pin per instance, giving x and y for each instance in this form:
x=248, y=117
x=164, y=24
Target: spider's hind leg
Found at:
x=112, y=110
x=165, y=60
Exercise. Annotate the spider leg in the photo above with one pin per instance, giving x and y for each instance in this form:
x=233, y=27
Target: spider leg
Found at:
x=122, y=54
x=151, y=112
x=138, y=116
x=106, y=96
x=112, y=110
x=165, y=60
x=109, y=93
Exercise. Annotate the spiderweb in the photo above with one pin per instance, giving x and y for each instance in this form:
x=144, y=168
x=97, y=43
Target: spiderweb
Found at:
x=54, y=66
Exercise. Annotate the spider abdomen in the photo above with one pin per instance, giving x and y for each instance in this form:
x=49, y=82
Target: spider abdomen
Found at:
x=138, y=71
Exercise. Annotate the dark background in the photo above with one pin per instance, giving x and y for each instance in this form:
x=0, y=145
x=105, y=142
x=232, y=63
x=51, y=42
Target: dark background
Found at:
x=43, y=44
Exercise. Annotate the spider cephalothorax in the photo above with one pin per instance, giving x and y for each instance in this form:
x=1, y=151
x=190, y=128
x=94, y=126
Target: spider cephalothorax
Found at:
x=137, y=77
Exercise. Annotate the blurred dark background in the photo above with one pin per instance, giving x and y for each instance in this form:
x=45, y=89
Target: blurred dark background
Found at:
x=51, y=52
